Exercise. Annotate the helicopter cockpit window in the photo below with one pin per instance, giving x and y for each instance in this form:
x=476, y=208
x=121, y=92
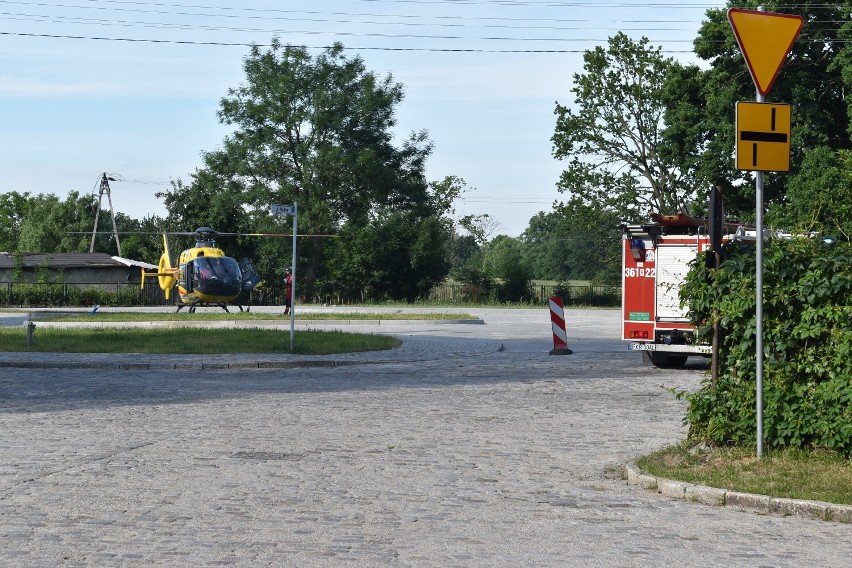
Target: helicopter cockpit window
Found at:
x=216, y=276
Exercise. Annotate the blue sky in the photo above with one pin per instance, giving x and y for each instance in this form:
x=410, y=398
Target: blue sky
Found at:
x=74, y=107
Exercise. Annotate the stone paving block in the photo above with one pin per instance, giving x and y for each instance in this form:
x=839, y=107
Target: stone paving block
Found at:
x=706, y=495
x=671, y=488
x=800, y=508
x=749, y=502
x=636, y=477
x=840, y=513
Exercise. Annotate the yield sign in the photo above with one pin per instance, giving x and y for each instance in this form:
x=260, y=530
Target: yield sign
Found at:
x=765, y=38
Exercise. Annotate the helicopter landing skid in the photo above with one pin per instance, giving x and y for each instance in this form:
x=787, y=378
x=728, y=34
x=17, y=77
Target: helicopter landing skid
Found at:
x=191, y=307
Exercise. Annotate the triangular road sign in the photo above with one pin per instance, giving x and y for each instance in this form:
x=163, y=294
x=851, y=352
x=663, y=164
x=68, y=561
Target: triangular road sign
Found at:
x=765, y=38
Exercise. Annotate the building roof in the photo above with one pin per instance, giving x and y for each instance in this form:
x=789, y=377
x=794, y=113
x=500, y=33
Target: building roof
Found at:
x=70, y=260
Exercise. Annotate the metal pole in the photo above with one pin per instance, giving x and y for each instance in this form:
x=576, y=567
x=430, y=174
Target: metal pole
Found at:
x=112, y=212
x=293, y=273
x=97, y=215
x=759, y=305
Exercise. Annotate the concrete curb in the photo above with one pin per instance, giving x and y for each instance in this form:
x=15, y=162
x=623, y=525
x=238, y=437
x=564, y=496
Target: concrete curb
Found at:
x=233, y=324
x=762, y=504
x=299, y=364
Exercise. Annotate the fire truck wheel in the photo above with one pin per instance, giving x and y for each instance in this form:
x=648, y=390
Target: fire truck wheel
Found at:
x=667, y=361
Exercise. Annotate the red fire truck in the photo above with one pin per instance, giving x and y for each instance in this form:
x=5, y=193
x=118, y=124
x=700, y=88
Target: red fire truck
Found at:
x=656, y=258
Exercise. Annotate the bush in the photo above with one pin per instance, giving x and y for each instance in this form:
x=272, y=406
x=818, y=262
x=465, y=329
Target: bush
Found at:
x=516, y=285
x=599, y=296
x=477, y=286
x=40, y=294
x=807, y=346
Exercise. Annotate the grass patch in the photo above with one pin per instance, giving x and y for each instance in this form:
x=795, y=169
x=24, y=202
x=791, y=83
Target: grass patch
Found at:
x=191, y=341
x=249, y=316
x=795, y=474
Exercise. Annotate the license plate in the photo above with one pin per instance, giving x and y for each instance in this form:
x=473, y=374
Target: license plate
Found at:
x=641, y=347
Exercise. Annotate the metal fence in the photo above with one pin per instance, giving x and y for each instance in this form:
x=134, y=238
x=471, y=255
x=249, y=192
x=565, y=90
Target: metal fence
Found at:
x=590, y=295
x=41, y=294
x=29, y=294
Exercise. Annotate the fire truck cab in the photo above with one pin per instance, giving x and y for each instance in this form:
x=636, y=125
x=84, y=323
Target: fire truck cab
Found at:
x=656, y=259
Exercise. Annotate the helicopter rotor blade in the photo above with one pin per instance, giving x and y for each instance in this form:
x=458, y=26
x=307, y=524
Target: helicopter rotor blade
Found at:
x=271, y=235
x=195, y=234
x=174, y=233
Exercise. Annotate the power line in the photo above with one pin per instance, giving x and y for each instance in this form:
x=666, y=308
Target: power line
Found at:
x=265, y=14
x=205, y=27
x=351, y=48
x=462, y=26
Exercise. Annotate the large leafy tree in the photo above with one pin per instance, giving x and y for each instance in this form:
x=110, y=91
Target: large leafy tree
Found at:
x=45, y=223
x=611, y=134
x=701, y=103
x=399, y=256
x=575, y=241
x=50, y=224
x=13, y=209
x=315, y=130
x=819, y=197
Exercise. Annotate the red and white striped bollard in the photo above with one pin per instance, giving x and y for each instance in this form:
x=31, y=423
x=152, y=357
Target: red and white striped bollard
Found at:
x=557, y=322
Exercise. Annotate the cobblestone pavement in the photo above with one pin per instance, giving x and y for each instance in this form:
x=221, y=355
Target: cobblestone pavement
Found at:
x=469, y=446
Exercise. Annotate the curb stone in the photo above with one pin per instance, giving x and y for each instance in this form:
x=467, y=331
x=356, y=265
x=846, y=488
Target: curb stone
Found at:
x=235, y=324
x=762, y=504
x=297, y=364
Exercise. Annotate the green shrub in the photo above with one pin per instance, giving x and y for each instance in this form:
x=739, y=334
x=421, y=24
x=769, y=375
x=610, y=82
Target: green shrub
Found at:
x=477, y=286
x=807, y=345
x=42, y=294
x=599, y=296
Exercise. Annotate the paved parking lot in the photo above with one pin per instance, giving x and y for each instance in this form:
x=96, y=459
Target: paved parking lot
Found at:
x=468, y=446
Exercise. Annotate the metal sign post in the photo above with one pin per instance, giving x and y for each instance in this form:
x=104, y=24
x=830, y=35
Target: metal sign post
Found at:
x=292, y=210
x=765, y=39
x=759, y=308
x=293, y=287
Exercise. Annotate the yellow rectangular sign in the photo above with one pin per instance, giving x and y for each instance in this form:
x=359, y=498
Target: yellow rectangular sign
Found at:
x=763, y=137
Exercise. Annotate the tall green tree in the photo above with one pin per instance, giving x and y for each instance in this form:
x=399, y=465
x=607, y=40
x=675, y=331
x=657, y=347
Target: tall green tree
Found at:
x=575, y=241
x=313, y=130
x=504, y=260
x=53, y=225
x=400, y=256
x=611, y=133
x=13, y=210
x=819, y=197
x=814, y=80
x=544, y=246
x=141, y=239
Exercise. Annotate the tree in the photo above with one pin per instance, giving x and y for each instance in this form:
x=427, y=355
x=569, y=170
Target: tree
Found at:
x=51, y=225
x=504, y=260
x=820, y=200
x=544, y=246
x=141, y=239
x=575, y=241
x=700, y=115
x=614, y=140
x=400, y=256
x=315, y=130
x=13, y=208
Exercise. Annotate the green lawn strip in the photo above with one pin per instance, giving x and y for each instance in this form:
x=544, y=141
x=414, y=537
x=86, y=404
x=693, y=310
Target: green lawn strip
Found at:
x=248, y=316
x=794, y=474
x=181, y=341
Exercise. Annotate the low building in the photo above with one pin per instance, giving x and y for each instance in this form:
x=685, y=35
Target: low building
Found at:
x=79, y=269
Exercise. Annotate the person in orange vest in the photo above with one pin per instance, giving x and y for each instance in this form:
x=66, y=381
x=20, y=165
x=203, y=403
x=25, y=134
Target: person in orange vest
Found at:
x=288, y=290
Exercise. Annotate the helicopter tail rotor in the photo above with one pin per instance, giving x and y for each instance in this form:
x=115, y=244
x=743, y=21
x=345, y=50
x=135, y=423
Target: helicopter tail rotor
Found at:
x=165, y=272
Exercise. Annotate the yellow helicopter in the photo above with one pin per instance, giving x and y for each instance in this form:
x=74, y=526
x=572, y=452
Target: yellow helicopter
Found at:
x=204, y=275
